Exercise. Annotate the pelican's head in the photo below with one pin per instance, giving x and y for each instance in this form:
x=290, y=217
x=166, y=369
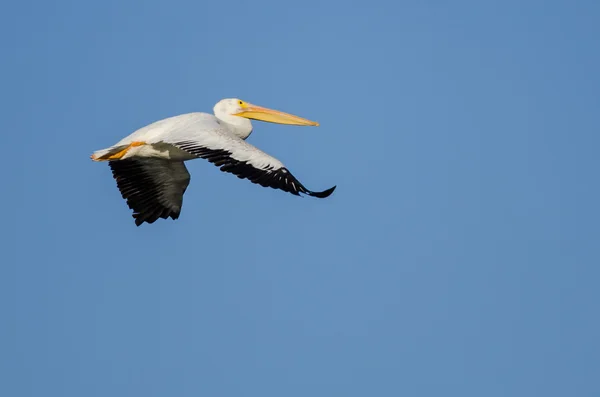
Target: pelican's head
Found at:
x=230, y=109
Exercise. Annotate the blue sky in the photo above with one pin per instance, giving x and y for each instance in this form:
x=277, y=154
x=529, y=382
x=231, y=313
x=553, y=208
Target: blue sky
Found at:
x=458, y=256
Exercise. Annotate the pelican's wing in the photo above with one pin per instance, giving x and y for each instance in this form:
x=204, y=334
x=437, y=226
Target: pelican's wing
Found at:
x=247, y=162
x=201, y=135
x=153, y=188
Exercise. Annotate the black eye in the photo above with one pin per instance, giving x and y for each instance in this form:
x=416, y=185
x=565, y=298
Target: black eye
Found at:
x=240, y=102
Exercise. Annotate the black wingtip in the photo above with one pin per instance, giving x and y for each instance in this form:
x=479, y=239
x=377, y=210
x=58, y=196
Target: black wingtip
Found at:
x=323, y=194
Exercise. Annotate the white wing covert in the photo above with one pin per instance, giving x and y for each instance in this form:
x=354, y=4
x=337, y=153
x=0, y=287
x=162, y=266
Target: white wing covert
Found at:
x=205, y=138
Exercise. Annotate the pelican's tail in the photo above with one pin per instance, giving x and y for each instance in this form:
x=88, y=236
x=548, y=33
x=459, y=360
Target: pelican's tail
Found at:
x=114, y=152
x=102, y=154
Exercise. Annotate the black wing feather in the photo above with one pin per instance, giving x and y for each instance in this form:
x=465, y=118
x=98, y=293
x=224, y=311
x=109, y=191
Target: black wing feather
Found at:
x=274, y=178
x=153, y=188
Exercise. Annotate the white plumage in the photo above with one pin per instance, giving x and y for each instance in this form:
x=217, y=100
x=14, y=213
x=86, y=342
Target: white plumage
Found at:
x=149, y=168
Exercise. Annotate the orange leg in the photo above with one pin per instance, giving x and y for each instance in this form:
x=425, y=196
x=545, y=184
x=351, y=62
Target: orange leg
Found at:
x=118, y=155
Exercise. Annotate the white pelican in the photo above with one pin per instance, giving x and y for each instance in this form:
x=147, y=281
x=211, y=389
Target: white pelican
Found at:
x=149, y=168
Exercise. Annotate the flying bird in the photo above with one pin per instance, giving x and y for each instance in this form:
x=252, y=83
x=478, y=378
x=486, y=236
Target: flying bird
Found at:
x=149, y=168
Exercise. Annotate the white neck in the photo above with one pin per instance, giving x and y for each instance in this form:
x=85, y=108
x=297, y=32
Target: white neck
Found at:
x=239, y=126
